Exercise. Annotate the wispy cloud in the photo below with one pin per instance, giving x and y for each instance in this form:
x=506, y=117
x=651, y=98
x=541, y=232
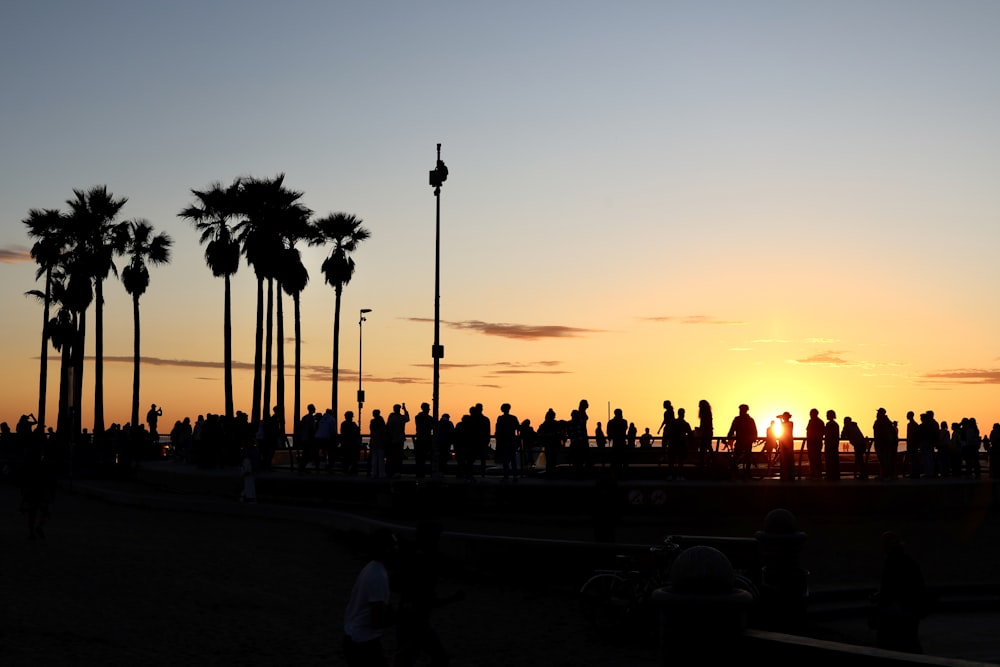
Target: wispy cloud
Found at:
x=508, y=367
x=828, y=358
x=693, y=319
x=839, y=358
x=772, y=341
x=963, y=376
x=517, y=331
x=181, y=363
x=14, y=254
x=310, y=373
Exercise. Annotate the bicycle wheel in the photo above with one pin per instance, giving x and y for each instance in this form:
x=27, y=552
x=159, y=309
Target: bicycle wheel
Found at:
x=606, y=600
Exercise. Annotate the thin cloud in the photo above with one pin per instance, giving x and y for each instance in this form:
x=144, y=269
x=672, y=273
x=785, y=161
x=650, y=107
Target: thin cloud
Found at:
x=180, y=363
x=828, y=358
x=694, y=319
x=507, y=367
x=963, y=376
x=14, y=254
x=516, y=331
x=536, y=368
x=837, y=358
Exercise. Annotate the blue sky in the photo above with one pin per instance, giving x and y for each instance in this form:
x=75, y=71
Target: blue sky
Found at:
x=704, y=195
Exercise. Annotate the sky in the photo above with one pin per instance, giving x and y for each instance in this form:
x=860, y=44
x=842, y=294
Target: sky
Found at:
x=790, y=204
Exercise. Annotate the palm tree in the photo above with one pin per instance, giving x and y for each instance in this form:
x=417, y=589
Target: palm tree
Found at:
x=211, y=216
x=344, y=232
x=142, y=248
x=48, y=228
x=99, y=237
x=76, y=296
x=294, y=278
x=266, y=207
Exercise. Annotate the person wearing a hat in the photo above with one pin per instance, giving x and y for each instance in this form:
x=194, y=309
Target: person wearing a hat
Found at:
x=786, y=447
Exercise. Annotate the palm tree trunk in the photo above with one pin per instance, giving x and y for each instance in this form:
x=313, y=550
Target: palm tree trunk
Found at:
x=298, y=365
x=281, y=357
x=258, y=353
x=336, y=357
x=64, y=420
x=43, y=371
x=136, y=358
x=99, y=357
x=77, y=389
x=227, y=350
x=268, y=345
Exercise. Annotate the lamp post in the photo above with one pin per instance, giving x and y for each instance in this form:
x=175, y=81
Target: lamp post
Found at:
x=438, y=175
x=361, y=392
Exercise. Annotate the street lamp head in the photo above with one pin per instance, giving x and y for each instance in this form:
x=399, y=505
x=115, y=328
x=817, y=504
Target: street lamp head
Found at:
x=366, y=310
x=439, y=174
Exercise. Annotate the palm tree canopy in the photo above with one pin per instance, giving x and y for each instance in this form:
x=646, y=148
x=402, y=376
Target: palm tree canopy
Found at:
x=293, y=273
x=97, y=234
x=271, y=214
x=49, y=230
x=217, y=207
x=344, y=231
x=143, y=248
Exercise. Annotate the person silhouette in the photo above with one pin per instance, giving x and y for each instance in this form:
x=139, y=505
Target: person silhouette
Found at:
x=506, y=434
x=395, y=428
x=852, y=434
x=786, y=447
x=706, y=432
x=377, y=437
x=528, y=443
x=601, y=441
x=305, y=439
x=912, y=446
x=152, y=417
x=423, y=438
x=618, y=435
x=549, y=439
x=680, y=432
x=770, y=447
x=886, y=438
x=446, y=441
x=831, y=442
x=742, y=433
x=369, y=612
x=815, y=430
x=901, y=599
x=664, y=427
x=350, y=439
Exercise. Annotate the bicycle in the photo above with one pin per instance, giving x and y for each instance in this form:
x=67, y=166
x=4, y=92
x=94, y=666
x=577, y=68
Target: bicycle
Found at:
x=616, y=601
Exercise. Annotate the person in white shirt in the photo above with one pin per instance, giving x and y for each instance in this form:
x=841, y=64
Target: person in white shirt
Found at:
x=368, y=612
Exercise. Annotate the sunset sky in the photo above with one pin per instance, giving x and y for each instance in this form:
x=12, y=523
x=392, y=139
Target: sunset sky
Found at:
x=786, y=203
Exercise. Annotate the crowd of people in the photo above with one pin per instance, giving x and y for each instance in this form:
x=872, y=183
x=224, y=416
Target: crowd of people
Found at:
x=467, y=446
x=920, y=447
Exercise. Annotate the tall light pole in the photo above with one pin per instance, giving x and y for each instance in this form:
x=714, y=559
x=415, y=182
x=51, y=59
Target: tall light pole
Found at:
x=438, y=175
x=361, y=392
